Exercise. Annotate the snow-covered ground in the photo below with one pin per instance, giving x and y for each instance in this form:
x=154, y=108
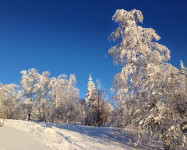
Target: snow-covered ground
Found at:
x=24, y=135
x=13, y=139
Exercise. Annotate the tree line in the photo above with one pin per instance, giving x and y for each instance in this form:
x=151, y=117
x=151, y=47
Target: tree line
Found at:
x=41, y=98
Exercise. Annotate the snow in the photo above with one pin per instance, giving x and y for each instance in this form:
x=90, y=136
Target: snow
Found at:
x=17, y=134
x=13, y=139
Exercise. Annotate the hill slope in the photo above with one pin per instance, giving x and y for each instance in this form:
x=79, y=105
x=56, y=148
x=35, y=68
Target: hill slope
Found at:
x=25, y=135
x=34, y=135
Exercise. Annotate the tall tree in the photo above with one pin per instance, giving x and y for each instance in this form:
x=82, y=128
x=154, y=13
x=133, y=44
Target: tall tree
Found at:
x=142, y=87
x=98, y=110
x=35, y=89
x=65, y=96
x=42, y=99
x=90, y=95
x=91, y=102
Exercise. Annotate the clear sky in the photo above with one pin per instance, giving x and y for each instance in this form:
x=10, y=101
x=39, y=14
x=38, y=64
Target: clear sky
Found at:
x=71, y=36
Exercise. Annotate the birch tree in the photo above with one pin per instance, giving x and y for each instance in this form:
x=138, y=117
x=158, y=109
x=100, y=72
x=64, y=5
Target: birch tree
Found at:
x=9, y=96
x=146, y=86
x=28, y=84
x=65, y=96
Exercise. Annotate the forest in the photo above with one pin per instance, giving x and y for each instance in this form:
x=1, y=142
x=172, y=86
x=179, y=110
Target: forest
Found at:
x=150, y=93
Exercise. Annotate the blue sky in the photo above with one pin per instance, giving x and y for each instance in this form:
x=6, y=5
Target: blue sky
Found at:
x=66, y=37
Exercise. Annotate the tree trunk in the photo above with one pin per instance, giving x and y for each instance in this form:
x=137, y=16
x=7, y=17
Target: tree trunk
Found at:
x=29, y=116
x=167, y=147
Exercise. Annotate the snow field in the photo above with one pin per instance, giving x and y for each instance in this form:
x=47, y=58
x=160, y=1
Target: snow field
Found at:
x=68, y=137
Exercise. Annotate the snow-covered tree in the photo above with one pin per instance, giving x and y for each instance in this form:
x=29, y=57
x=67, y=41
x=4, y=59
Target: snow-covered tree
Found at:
x=91, y=102
x=82, y=110
x=146, y=86
x=29, y=86
x=9, y=96
x=43, y=102
x=103, y=108
x=72, y=97
x=98, y=110
x=65, y=96
x=35, y=93
x=40, y=97
x=90, y=95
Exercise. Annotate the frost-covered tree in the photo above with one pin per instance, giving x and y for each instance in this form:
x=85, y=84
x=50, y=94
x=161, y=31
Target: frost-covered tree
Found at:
x=41, y=98
x=65, y=96
x=43, y=102
x=35, y=88
x=9, y=96
x=82, y=110
x=29, y=81
x=103, y=108
x=98, y=110
x=72, y=97
x=146, y=87
x=91, y=102
x=90, y=95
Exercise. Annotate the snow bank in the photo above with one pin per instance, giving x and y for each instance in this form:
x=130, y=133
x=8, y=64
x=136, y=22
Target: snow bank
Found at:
x=70, y=137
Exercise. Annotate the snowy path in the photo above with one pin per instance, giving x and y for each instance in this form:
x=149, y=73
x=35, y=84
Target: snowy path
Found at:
x=59, y=137
x=13, y=139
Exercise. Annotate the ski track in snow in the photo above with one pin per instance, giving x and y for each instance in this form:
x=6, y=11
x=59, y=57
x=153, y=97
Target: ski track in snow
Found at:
x=70, y=137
